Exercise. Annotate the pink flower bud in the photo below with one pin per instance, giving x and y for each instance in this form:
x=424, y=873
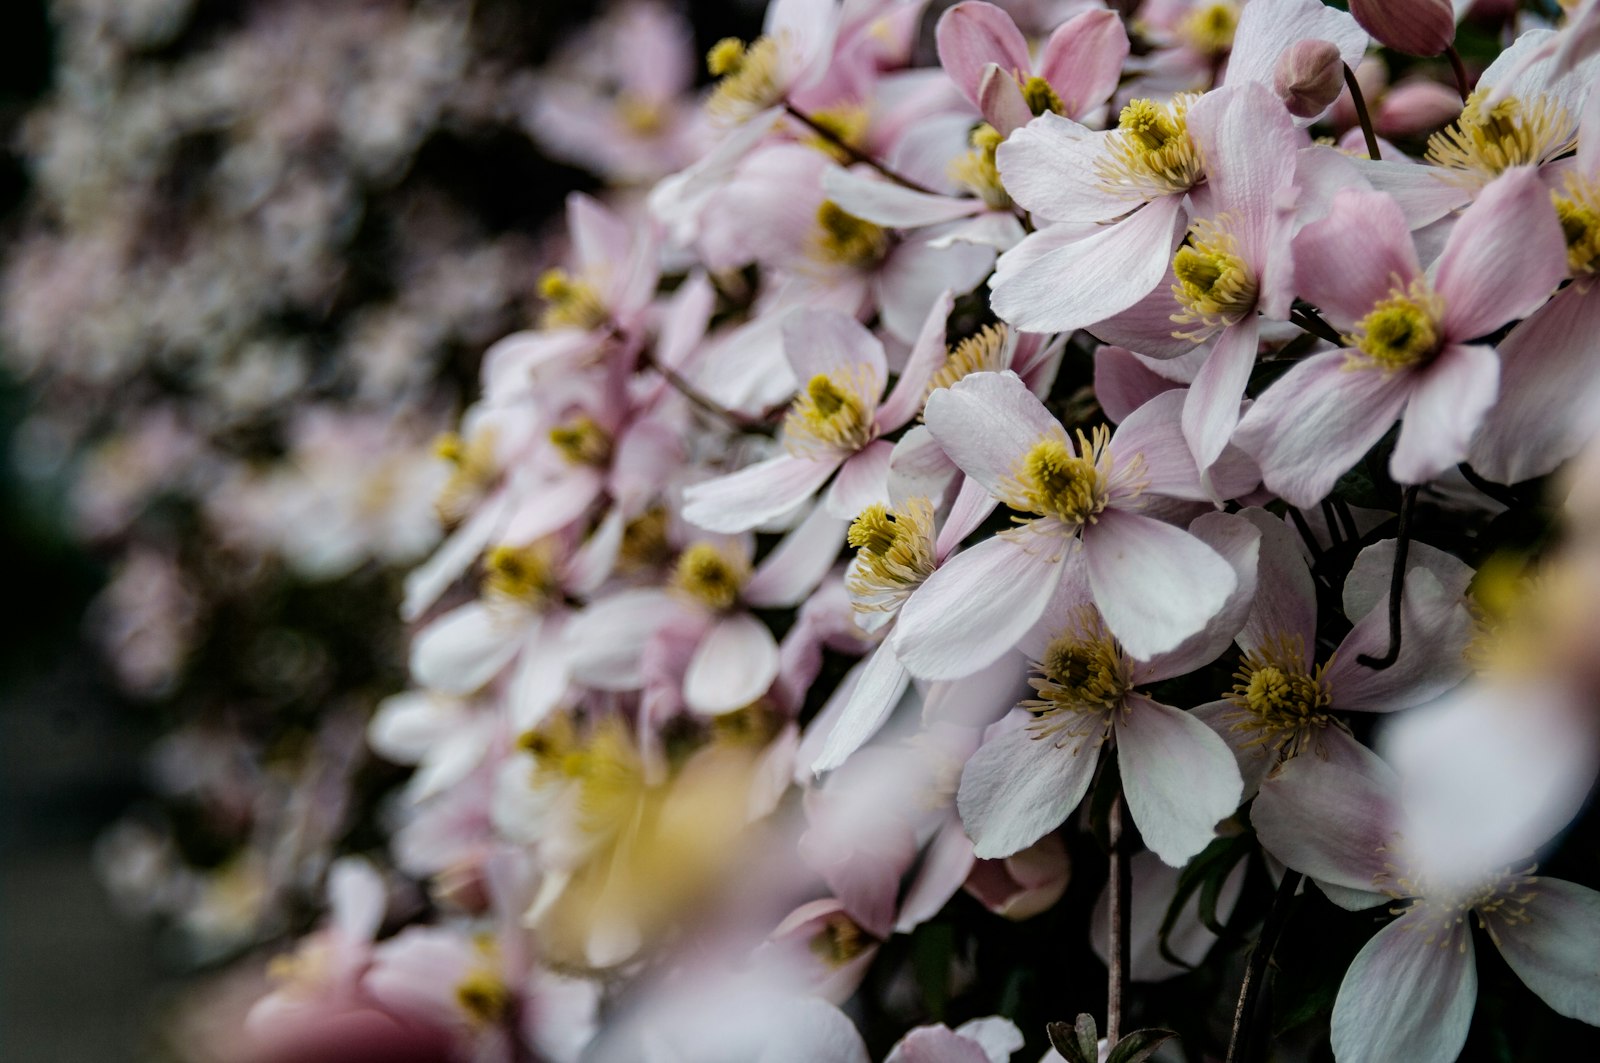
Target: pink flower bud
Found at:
x=1415, y=27
x=1309, y=77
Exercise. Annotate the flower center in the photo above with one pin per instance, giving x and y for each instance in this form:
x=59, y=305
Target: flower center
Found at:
x=523, y=574
x=711, y=576
x=748, y=77
x=641, y=115
x=985, y=351
x=1278, y=700
x=1579, y=210
x=1057, y=483
x=1041, y=97
x=1082, y=677
x=484, y=997
x=1402, y=331
x=644, y=541
x=473, y=469
x=604, y=767
x=978, y=170
x=582, y=441
x=832, y=415
x=1150, y=151
x=843, y=239
x=569, y=302
x=1216, y=287
x=846, y=124
x=839, y=941
x=1209, y=29
x=1487, y=141
x=1498, y=900
x=894, y=554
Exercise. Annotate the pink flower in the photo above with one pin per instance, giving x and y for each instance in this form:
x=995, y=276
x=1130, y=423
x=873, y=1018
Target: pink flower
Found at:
x=990, y=1040
x=1410, y=335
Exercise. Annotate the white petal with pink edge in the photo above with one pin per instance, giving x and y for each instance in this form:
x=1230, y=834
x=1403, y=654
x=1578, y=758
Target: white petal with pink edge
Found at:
x=1178, y=777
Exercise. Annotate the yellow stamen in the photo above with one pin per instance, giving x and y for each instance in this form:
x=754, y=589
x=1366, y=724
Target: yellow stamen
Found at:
x=1579, y=210
x=986, y=351
x=521, y=573
x=833, y=414
x=1082, y=678
x=1279, y=702
x=839, y=941
x=1151, y=152
x=749, y=77
x=484, y=997
x=1041, y=97
x=978, y=170
x=640, y=115
x=1055, y=482
x=847, y=128
x=1487, y=141
x=475, y=469
x=846, y=240
x=644, y=542
x=582, y=441
x=1216, y=287
x=569, y=302
x=710, y=575
x=1209, y=29
x=1400, y=332
x=894, y=554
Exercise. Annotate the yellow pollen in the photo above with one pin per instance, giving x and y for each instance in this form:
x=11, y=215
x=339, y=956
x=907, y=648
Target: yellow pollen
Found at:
x=754, y=725
x=711, y=576
x=1484, y=142
x=1041, y=97
x=1151, y=152
x=1279, y=701
x=749, y=77
x=839, y=941
x=640, y=115
x=521, y=573
x=1216, y=287
x=833, y=415
x=474, y=470
x=1436, y=911
x=978, y=170
x=644, y=541
x=846, y=240
x=582, y=441
x=986, y=351
x=1057, y=483
x=484, y=997
x=1209, y=30
x=1402, y=331
x=1578, y=207
x=569, y=302
x=603, y=768
x=1081, y=680
x=848, y=126
x=894, y=554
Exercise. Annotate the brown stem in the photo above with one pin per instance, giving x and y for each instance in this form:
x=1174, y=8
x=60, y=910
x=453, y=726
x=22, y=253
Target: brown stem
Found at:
x=854, y=153
x=1397, y=586
x=1361, y=113
x=1458, y=68
x=1117, y=945
x=1256, y=969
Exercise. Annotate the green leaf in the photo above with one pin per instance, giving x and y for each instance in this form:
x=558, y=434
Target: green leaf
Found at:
x=1139, y=1045
x=1067, y=1041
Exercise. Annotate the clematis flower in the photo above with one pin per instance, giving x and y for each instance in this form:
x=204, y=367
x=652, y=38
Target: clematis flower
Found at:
x=833, y=426
x=1155, y=584
x=990, y=1040
x=1178, y=777
x=1409, y=336
x=1410, y=991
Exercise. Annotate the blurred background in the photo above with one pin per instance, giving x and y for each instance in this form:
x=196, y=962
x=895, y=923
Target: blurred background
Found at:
x=253, y=251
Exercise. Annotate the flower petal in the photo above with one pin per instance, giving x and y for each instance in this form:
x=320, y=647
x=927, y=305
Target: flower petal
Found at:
x=1347, y=262
x=1445, y=412
x=1554, y=951
x=987, y=423
x=735, y=664
x=927, y=355
x=1048, y=167
x=973, y=34
x=1407, y=995
x=1329, y=820
x=826, y=341
x=863, y=479
x=1156, y=585
x=1504, y=257
x=465, y=648
x=882, y=683
x=1082, y=59
x=756, y=494
x=1179, y=778
x=1211, y=408
x=1286, y=597
x=1017, y=788
x=1435, y=629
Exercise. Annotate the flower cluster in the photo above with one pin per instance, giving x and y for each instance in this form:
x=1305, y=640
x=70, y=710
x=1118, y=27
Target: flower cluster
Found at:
x=955, y=478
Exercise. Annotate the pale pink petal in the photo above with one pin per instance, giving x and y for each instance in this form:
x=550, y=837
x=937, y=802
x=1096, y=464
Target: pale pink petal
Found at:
x=1153, y=435
x=883, y=202
x=863, y=480
x=800, y=561
x=1082, y=60
x=1001, y=101
x=1367, y=586
x=539, y=509
x=1554, y=951
x=1249, y=140
x=1048, y=167
x=1434, y=631
x=465, y=648
x=987, y=423
x=945, y=865
x=936, y=1044
x=1087, y=281
x=1425, y=194
x=356, y=898
x=919, y=467
x=1017, y=788
x=601, y=241
x=825, y=342
x=974, y=34
x=1253, y=761
x=999, y=1037
x=1316, y=421
x=1156, y=585
x=607, y=638
x=1238, y=542
x=425, y=583
x=540, y=680
x=1023, y=884
x=734, y=665
x=406, y=725
x=977, y=606
x=1549, y=403
x=1286, y=597
x=1504, y=257
x=1122, y=383
x=927, y=355
x=1408, y=995
x=1147, y=326
x=916, y=274
x=1265, y=30
x=876, y=693
x=1001, y=230
x=1446, y=408
x=971, y=508
x=1178, y=778
x=1329, y=820
x=979, y=699
x=1211, y=409
x=1347, y=262
x=755, y=495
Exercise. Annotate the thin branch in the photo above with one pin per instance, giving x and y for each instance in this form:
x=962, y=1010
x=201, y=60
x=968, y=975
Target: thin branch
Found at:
x=1459, y=69
x=1499, y=492
x=854, y=153
x=1118, y=946
x=1312, y=322
x=1361, y=113
x=1244, y=1013
x=1397, y=585
x=738, y=422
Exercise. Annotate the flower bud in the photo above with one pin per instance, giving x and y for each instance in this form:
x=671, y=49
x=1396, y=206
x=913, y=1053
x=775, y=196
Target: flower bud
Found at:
x=1415, y=27
x=1309, y=76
